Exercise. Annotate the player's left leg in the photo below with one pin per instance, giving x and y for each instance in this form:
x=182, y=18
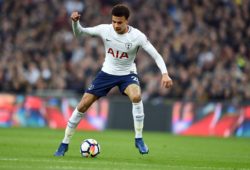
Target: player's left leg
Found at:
x=133, y=91
x=86, y=101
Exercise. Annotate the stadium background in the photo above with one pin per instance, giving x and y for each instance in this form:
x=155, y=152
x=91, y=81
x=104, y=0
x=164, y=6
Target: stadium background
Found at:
x=205, y=44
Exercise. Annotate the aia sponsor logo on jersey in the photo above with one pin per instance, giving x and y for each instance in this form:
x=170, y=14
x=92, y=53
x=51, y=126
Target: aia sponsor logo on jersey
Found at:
x=118, y=54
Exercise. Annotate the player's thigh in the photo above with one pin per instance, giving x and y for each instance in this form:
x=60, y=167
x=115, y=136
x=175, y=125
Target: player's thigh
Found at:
x=86, y=101
x=133, y=91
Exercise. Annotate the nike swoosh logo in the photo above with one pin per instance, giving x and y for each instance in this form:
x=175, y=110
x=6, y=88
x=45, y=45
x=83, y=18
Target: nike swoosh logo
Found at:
x=108, y=39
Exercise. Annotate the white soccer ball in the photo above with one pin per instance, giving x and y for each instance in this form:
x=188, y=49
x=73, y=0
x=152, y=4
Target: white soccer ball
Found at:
x=90, y=147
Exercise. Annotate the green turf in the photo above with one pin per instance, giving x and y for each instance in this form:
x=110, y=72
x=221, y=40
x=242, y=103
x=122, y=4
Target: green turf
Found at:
x=22, y=148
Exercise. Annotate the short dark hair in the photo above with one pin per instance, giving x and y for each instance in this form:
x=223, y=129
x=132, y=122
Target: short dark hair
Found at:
x=121, y=10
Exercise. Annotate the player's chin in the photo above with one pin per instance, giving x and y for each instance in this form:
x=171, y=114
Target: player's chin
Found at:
x=118, y=31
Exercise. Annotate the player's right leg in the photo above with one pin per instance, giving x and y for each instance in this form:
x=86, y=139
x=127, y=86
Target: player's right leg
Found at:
x=74, y=120
x=134, y=93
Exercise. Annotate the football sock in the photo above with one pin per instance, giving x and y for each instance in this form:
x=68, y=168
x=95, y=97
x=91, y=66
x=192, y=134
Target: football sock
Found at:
x=138, y=116
x=74, y=120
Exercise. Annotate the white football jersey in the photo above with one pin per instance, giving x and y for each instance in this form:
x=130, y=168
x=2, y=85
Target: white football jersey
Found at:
x=121, y=49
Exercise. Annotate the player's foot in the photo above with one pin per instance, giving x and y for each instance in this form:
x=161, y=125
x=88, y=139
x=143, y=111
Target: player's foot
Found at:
x=142, y=147
x=62, y=149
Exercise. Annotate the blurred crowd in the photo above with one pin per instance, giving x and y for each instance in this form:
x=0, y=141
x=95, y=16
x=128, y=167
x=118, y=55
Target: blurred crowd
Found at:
x=205, y=45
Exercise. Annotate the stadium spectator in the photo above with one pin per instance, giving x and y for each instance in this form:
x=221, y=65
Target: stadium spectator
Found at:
x=207, y=44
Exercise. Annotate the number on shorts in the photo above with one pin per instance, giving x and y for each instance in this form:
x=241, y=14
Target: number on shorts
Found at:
x=135, y=78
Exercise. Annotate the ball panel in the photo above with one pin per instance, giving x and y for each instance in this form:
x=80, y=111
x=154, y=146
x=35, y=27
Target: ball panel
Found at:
x=85, y=146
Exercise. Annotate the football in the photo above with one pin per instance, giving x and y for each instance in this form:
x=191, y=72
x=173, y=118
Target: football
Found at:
x=90, y=148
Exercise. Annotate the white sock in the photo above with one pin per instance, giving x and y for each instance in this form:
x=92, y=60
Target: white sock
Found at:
x=74, y=120
x=138, y=115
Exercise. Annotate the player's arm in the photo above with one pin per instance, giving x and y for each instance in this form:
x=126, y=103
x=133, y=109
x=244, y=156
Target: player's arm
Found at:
x=78, y=29
x=149, y=48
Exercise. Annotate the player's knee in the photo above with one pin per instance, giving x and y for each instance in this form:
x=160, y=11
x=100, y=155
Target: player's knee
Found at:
x=136, y=98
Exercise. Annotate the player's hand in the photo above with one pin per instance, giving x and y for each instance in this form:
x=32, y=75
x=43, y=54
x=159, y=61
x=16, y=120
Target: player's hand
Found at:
x=75, y=16
x=166, y=81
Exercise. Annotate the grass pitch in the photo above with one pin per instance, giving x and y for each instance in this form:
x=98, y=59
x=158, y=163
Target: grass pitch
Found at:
x=29, y=148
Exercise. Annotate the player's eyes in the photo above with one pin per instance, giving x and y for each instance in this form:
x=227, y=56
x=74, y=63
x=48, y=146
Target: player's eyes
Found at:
x=117, y=22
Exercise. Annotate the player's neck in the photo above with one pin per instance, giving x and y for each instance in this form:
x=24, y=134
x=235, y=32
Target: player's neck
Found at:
x=126, y=29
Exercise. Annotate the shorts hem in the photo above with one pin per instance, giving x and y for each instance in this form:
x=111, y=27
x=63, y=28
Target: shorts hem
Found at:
x=93, y=93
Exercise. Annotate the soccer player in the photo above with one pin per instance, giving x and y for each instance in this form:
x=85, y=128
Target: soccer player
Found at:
x=121, y=42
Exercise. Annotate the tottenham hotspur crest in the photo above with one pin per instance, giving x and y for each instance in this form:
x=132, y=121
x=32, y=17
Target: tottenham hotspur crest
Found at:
x=128, y=45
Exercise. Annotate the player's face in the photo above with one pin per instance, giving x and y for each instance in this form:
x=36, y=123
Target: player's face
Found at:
x=120, y=24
